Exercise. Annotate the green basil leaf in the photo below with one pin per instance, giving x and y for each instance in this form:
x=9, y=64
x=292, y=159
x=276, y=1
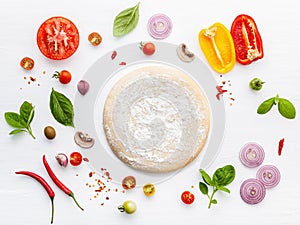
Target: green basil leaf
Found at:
x=222, y=188
x=126, y=21
x=14, y=120
x=61, y=108
x=26, y=112
x=266, y=106
x=224, y=176
x=16, y=131
x=286, y=108
x=214, y=201
x=206, y=177
x=203, y=188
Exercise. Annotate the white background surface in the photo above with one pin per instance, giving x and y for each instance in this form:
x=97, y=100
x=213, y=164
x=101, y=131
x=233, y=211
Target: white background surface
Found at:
x=24, y=201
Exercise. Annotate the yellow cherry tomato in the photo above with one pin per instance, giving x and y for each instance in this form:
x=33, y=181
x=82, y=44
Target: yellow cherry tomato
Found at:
x=217, y=45
x=149, y=189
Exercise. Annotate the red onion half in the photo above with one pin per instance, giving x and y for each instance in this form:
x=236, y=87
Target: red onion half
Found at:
x=269, y=175
x=252, y=154
x=252, y=191
x=159, y=26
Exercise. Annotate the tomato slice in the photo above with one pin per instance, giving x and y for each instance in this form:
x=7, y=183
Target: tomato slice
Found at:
x=218, y=48
x=58, y=38
x=247, y=39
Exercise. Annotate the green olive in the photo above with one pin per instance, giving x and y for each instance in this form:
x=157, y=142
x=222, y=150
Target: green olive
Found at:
x=256, y=84
x=49, y=132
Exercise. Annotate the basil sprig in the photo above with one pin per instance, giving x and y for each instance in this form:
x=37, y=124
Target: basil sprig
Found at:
x=21, y=121
x=285, y=107
x=221, y=178
x=126, y=21
x=61, y=108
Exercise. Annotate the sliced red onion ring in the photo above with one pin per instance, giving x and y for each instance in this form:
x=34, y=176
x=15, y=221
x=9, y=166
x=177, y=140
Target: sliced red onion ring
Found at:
x=159, y=26
x=269, y=175
x=252, y=154
x=252, y=191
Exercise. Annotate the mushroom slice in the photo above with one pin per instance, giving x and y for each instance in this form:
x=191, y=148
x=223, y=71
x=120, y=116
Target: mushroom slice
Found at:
x=184, y=54
x=83, y=140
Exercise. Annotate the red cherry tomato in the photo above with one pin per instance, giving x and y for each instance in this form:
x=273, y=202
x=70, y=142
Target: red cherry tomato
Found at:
x=147, y=48
x=27, y=63
x=58, y=38
x=95, y=39
x=187, y=197
x=75, y=158
x=64, y=76
x=128, y=182
x=247, y=40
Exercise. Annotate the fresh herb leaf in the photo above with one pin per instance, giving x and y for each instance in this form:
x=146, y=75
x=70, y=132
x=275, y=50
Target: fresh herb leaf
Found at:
x=286, y=108
x=206, y=177
x=61, y=108
x=224, y=176
x=203, y=188
x=221, y=178
x=126, y=21
x=266, y=106
x=21, y=121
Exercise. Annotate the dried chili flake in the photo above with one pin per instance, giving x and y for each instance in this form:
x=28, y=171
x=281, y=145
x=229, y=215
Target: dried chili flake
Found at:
x=122, y=63
x=90, y=174
x=85, y=159
x=280, y=146
x=113, y=55
x=32, y=79
x=220, y=91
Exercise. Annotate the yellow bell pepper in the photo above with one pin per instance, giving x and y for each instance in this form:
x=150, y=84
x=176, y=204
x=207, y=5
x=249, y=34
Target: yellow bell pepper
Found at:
x=217, y=45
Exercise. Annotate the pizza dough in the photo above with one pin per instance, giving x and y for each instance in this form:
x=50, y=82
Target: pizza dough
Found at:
x=156, y=119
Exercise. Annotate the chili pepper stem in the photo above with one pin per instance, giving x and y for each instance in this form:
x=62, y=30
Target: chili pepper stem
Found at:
x=72, y=195
x=52, y=206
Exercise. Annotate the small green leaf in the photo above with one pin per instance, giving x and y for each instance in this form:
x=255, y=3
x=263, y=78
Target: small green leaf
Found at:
x=222, y=188
x=126, y=21
x=266, y=106
x=214, y=201
x=14, y=120
x=26, y=112
x=286, y=108
x=206, y=177
x=16, y=131
x=61, y=108
x=224, y=176
x=203, y=188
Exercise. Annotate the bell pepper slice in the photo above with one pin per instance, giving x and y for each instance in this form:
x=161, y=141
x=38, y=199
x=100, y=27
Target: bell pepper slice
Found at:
x=247, y=39
x=217, y=46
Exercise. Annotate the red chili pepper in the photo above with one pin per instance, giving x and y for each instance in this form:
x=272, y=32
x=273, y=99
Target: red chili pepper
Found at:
x=280, y=146
x=45, y=185
x=58, y=182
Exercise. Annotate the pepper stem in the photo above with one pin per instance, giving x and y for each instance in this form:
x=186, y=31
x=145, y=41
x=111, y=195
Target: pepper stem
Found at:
x=52, y=214
x=72, y=195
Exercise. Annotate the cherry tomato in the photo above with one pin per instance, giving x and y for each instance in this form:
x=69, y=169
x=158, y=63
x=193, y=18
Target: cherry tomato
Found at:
x=128, y=182
x=147, y=48
x=149, y=189
x=247, y=39
x=128, y=206
x=27, y=63
x=95, y=39
x=187, y=197
x=64, y=76
x=58, y=38
x=256, y=84
x=75, y=158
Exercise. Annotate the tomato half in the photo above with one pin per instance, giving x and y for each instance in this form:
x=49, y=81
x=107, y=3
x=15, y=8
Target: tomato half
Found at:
x=217, y=46
x=187, y=197
x=58, y=38
x=247, y=39
x=129, y=182
x=75, y=158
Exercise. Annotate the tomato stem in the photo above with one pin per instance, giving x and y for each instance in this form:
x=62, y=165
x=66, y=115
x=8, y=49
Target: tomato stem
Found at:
x=72, y=195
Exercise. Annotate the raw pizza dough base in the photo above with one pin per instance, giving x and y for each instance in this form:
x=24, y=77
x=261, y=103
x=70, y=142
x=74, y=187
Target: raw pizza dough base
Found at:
x=156, y=119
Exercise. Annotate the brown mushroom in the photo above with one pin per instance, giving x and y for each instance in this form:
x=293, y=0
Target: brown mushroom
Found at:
x=83, y=140
x=184, y=54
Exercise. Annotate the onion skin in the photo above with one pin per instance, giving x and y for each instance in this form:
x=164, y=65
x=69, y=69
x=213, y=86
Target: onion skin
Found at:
x=252, y=154
x=269, y=175
x=252, y=191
